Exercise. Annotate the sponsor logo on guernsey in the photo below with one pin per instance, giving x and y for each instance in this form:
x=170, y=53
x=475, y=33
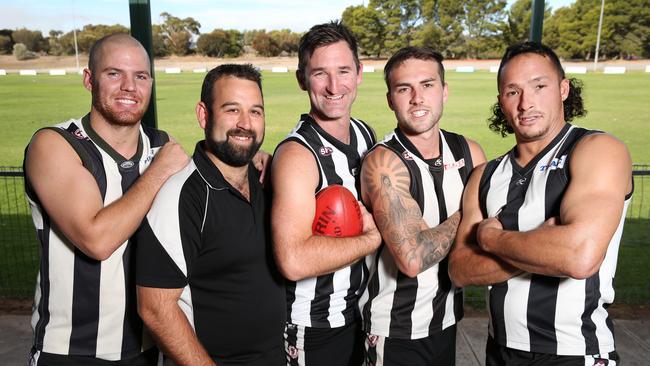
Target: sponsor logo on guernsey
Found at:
x=78, y=134
x=325, y=151
x=128, y=164
x=556, y=163
x=149, y=157
x=407, y=156
x=455, y=165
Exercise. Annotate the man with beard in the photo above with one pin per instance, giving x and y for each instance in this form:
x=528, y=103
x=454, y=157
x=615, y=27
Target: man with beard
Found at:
x=90, y=181
x=542, y=224
x=208, y=289
x=327, y=274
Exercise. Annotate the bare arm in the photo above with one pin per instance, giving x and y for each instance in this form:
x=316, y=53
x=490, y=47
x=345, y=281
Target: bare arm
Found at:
x=299, y=253
x=589, y=215
x=52, y=167
x=262, y=162
x=158, y=308
x=385, y=189
x=468, y=263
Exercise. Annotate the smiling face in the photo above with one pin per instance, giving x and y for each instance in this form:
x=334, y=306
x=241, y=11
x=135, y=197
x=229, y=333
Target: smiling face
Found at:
x=234, y=129
x=120, y=83
x=331, y=79
x=531, y=96
x=416, y=95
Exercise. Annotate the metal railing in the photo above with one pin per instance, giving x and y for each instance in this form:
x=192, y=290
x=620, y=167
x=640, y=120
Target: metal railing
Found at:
x=19, y=249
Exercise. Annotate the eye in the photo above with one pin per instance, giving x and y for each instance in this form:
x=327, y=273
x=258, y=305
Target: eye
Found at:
x=142, y=77
x=112, y=74
x=540, y=86
x=401, y=90
x=428, y=85
x=257, y=112
x=511, y=93
x=232, y=110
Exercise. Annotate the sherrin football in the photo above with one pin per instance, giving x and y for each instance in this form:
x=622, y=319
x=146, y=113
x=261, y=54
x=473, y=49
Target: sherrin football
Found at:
x=337, y=213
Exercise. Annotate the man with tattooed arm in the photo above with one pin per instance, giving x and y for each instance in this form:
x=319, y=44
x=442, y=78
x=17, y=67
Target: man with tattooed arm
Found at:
x=412, y=182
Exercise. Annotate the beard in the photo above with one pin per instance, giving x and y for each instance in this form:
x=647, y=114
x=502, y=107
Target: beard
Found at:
x=230, y=153
x=124, y=118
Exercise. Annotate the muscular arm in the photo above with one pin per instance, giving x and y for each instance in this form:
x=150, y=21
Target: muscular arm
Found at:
x=590, y=212
x=385, y=189
x=468, y=263
x=158, y=308
x=299, y=253
x=53, y=167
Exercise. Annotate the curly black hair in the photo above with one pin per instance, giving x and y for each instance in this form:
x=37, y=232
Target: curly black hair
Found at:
x=573, y=104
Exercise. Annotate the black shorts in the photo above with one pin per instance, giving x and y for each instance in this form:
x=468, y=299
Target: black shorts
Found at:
x=498, y=355
x=306, y=346
x=38, y=358
x=438, y=349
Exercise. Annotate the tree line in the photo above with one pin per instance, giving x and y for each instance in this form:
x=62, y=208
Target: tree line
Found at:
x=458, y=29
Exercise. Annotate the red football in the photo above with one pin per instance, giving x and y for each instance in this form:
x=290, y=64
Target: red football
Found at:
x=337, y=213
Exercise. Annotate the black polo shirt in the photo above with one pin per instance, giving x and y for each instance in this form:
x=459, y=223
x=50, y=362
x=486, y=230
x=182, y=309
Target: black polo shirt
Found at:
x=203, y=236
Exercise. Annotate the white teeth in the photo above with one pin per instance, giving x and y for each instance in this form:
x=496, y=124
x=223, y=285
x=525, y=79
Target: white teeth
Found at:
x=126, y=101
x=419, y=113
x=334, y=97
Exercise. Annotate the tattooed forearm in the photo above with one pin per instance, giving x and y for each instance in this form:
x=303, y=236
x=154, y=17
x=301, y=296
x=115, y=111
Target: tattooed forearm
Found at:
x=436, y=242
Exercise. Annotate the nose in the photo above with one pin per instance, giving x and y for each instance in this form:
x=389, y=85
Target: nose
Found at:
x=525, y=101
x=416, y=97
x=332, y=84
x=244, y=121
x=128, y=83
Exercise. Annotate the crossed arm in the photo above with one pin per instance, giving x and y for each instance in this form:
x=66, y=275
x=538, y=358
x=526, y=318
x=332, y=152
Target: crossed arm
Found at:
x=573, y=245
x=300, y=254
x=385, y=186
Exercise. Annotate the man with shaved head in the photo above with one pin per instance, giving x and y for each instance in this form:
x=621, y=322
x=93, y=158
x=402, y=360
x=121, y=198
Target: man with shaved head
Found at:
x=90, y=181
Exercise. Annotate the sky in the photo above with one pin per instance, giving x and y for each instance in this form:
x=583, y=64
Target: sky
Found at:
x=46, y=15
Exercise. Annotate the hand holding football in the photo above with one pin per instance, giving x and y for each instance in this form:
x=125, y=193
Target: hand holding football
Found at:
x=337, y=213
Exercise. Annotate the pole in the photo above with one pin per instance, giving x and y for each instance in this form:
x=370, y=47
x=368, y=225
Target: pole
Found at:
x=140, y=12
x=600, y=26
x=537, y=21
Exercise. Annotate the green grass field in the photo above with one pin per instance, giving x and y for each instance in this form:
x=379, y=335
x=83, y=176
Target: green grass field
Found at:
x=616, y=104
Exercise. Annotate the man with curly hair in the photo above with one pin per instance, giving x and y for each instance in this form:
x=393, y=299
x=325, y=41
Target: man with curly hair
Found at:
x=542, y=224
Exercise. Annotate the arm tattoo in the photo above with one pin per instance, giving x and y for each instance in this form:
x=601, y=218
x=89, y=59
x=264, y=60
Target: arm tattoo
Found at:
x=399, y=218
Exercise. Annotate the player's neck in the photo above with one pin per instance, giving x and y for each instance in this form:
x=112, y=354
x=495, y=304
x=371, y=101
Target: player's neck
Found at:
x=427, y=143
x=339, y=128
x=528, y=149
x=122, y=138
x=237, y=176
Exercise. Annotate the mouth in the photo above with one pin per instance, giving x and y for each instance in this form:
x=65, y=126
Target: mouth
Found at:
x=334, y=97
x=419, y=113
x=126, y=101
x=241, y=136
x=528, y=119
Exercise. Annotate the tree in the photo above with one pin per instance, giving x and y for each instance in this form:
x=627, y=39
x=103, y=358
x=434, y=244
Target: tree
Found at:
x=33, y=40
x=178, y=33
x=265, y=45
x=22, y=53
x=249, y=36
x=220, y=43
x=366, y=25
x=91, y=33
x=286, y=40
x=6, y=45
x=55, y=44
x=441, y=29
x=158, y=41
x=517, y=27
x=399, y=19
x=482, y=21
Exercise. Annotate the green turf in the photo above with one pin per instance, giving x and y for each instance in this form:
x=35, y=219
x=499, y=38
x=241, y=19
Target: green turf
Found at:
x=616, y=103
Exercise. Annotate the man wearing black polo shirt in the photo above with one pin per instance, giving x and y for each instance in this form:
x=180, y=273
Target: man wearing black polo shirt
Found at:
x=207, y=286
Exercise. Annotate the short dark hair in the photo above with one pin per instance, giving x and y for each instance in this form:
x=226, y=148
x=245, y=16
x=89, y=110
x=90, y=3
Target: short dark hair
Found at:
x=322, y=35
x=242, y=71
x=573, y=104
x=407, y=53
x=97, y=48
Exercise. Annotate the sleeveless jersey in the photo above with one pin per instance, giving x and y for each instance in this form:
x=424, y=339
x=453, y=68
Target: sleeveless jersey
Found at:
x=538, y=313
x=330, y=300
x=83, y=306
x=398, y=306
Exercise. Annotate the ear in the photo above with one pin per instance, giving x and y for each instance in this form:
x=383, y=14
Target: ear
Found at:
x=445, y=92
x=202, y=114
x=300, y=76
x=390, y=102
x=88, y=79
x=360, y=73
x=565, y=87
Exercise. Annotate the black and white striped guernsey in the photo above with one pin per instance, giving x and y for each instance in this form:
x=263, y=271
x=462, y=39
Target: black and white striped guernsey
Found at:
x=398, y=306
x=331, y=300
x=83, y=306
x=537, y=313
